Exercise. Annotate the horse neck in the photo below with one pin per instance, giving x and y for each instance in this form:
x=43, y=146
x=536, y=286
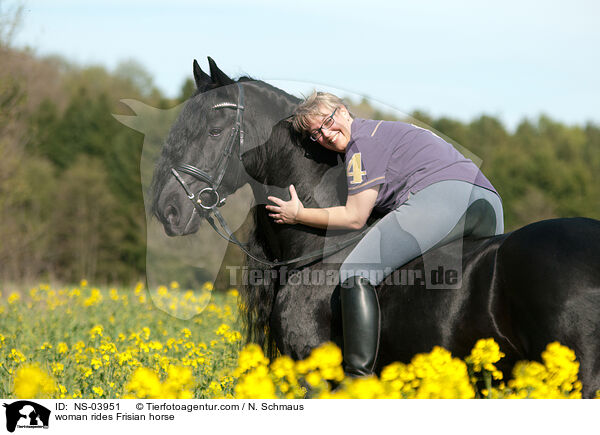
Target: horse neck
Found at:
x=276, y=158
x=267, y=105
x=319, y=183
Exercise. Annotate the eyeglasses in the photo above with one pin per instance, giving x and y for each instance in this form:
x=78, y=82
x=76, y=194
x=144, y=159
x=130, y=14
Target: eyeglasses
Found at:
x=327, y=123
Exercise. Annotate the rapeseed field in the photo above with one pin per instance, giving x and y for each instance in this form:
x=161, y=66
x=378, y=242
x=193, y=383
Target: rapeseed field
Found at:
x=86, y=342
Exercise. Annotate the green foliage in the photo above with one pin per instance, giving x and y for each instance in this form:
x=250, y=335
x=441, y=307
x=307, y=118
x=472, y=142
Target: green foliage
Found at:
x=25, y=211
x=88, y=227
x=86, y=127
x=135, y=76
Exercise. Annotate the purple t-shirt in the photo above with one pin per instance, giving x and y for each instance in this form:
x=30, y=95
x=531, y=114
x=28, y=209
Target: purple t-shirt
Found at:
x=403, y=159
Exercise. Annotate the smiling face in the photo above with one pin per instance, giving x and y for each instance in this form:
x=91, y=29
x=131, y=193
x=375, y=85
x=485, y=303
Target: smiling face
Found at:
x=337, y=136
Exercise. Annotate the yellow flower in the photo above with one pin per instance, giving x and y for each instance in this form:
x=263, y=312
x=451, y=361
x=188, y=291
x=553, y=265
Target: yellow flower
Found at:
x=114, y=294
x=256, y=384
x=107, y=347
x=138, y=288
x=57, y=368
x=16, y=356
x=98, y=391
x=233, y=336
x=562, y=367
x=94, y=299
x=313, y=379
x=96, y=363
x=31, y=382
x=87, y=371
x=223, y=329
x=178, y=381
x=62, y=391
x=145, y=384
x=215, y=389
x=400, y=378
x=96, y=331
x=483, y=356
x=365, y=388
x=327, y=358
x=14, y=297
x=250, y=357
x=435, y=375
x=555, y=379
x=283, y=367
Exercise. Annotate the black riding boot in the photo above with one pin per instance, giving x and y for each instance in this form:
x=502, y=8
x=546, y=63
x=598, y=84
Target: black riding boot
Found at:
x=361, y=324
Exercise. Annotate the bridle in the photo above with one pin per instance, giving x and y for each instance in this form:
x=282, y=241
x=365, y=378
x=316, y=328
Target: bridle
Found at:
x=208, y=199
x=211, y=192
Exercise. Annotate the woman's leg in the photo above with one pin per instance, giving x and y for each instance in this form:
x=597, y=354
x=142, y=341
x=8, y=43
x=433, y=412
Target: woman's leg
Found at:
x=428, y=217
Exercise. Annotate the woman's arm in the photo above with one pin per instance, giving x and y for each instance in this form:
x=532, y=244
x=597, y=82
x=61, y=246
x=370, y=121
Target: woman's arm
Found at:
x=353, y=215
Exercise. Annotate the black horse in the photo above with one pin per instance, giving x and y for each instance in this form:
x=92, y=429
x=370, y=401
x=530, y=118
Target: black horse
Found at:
x=525, y=289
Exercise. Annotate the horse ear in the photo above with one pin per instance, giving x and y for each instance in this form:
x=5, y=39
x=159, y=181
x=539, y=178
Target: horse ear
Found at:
x=218, y=76
x=200, y=77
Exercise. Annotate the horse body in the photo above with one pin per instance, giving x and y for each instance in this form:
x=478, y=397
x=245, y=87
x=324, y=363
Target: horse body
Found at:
x=524, y=295
x=525, y=289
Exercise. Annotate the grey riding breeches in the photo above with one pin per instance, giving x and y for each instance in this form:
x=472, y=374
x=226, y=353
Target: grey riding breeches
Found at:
x=433, y=216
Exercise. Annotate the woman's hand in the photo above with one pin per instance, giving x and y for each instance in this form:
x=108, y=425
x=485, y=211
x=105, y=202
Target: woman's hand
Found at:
x=285, y=212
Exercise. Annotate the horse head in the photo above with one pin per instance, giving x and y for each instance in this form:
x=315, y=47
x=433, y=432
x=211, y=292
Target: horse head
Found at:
x=224, y=119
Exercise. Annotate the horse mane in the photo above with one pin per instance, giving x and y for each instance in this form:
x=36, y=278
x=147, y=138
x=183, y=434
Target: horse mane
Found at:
x=302, y=157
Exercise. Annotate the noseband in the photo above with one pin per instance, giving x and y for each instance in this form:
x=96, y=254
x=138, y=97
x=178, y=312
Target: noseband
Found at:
x=208, y=199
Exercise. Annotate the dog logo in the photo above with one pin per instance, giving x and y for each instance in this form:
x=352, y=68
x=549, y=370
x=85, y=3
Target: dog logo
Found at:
x=26, y=414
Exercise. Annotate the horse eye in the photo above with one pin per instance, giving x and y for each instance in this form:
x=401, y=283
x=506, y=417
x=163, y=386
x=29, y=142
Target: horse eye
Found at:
x=215, y=131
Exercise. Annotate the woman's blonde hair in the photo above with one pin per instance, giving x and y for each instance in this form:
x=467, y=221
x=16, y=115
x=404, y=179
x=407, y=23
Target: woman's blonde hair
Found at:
x=312, y=107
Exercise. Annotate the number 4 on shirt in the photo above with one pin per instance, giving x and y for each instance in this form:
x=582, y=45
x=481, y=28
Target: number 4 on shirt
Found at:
x=354, y=169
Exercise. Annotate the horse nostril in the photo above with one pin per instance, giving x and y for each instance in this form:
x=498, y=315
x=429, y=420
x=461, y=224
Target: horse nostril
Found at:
x=172, y=215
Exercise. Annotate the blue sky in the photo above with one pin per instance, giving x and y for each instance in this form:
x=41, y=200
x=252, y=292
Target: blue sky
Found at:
x=509, y=59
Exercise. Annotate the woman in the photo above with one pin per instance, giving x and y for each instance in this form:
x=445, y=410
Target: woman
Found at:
x=424, y=186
